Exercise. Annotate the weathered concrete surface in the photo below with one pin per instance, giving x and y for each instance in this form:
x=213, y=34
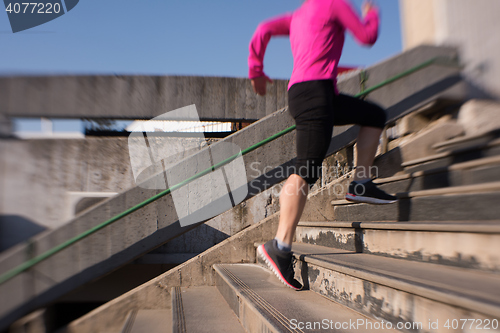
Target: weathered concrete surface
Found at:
x=137, y=97
x=464, y=152
x=411, y=124
x=421, y=118
x=316, y=209
x=195, y=272
x=395, y=96
x=204, y=310
x=457, y=207
x=419, y=24
x=475, y=251
x=45, y=183
x=151, y=321
x=269, y=307
x=443, y=178
x=114, y=246
x=38, y=174
x=143, y=97
x=479, y=116
x=468, y=245
x=319, y=207
x=40, y=178
x=466, y=24
x=5, y=127
x=383, y=301
x=32, y=323
x=227, y=224
x=80, y=201
x=474, y=291
x=348, y=239
x=136, y=234
x=420, y=144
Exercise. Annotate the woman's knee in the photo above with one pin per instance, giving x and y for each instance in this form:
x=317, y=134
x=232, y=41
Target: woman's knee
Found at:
x=309, y=170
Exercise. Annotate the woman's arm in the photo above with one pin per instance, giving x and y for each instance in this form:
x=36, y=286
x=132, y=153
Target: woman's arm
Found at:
x=365, y=32
x=279, y=26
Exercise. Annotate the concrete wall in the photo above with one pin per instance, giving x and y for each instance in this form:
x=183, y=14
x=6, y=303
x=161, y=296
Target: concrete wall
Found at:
x=137, y=97
x=45, y=182
x=470, y=25
x=5, y=126
x=37, y=175
x=418, y=22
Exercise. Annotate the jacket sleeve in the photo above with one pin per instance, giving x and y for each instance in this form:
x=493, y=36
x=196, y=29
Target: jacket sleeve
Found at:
x=279, y=26
x=366, y=31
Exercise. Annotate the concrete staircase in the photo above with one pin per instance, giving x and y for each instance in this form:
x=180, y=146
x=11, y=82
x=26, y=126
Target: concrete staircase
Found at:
x=141, y=232
x=434, y=257
x=430, y=263
x=246, y=298
x=147, y=321
x=431, y=269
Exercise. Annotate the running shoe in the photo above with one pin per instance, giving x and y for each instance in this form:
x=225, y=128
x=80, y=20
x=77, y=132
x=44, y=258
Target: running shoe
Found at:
x=368, y=193
x=280, y=262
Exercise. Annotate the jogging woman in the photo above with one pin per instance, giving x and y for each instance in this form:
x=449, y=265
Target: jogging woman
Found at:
x=317, y=32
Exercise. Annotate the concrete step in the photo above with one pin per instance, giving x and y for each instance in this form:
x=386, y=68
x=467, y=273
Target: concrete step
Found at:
x=466, y=141
x=263, y=304
x=398, y=290
x=478, y=171
x=457, y=203
x=200, y=310
x=195, y=272
x=469, y=152
x=150, y=321
x=419, y=144
x=482, y=170
x=466, y=244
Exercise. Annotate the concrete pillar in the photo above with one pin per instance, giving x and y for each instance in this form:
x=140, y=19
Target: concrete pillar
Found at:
x=469, y=25
x=6, y=127
x=418, y=23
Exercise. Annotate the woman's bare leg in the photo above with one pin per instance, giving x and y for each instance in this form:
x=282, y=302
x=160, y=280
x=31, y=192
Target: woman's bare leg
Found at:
x=367, y=143
x=292, y=202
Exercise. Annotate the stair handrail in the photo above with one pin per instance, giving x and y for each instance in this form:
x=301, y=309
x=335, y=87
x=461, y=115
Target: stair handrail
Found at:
x=33, y=261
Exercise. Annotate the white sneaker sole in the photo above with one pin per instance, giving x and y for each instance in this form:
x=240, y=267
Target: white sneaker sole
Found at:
x=263, y=254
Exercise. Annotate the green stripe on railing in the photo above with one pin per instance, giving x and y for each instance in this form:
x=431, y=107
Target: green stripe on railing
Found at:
x=32, y=262
x=397, y=77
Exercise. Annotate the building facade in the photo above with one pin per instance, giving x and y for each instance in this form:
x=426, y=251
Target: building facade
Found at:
x=473, y=26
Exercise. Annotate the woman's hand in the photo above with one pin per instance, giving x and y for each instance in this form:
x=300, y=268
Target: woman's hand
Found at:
x=367, y=6
x=259, y=84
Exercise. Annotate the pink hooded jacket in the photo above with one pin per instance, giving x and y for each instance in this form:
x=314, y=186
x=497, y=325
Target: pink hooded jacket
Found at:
x=317, y=33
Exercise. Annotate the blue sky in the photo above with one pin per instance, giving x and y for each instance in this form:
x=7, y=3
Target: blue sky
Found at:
x=167, y=37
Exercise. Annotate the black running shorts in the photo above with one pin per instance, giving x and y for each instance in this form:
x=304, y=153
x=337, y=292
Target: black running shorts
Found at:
x=316, y=109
